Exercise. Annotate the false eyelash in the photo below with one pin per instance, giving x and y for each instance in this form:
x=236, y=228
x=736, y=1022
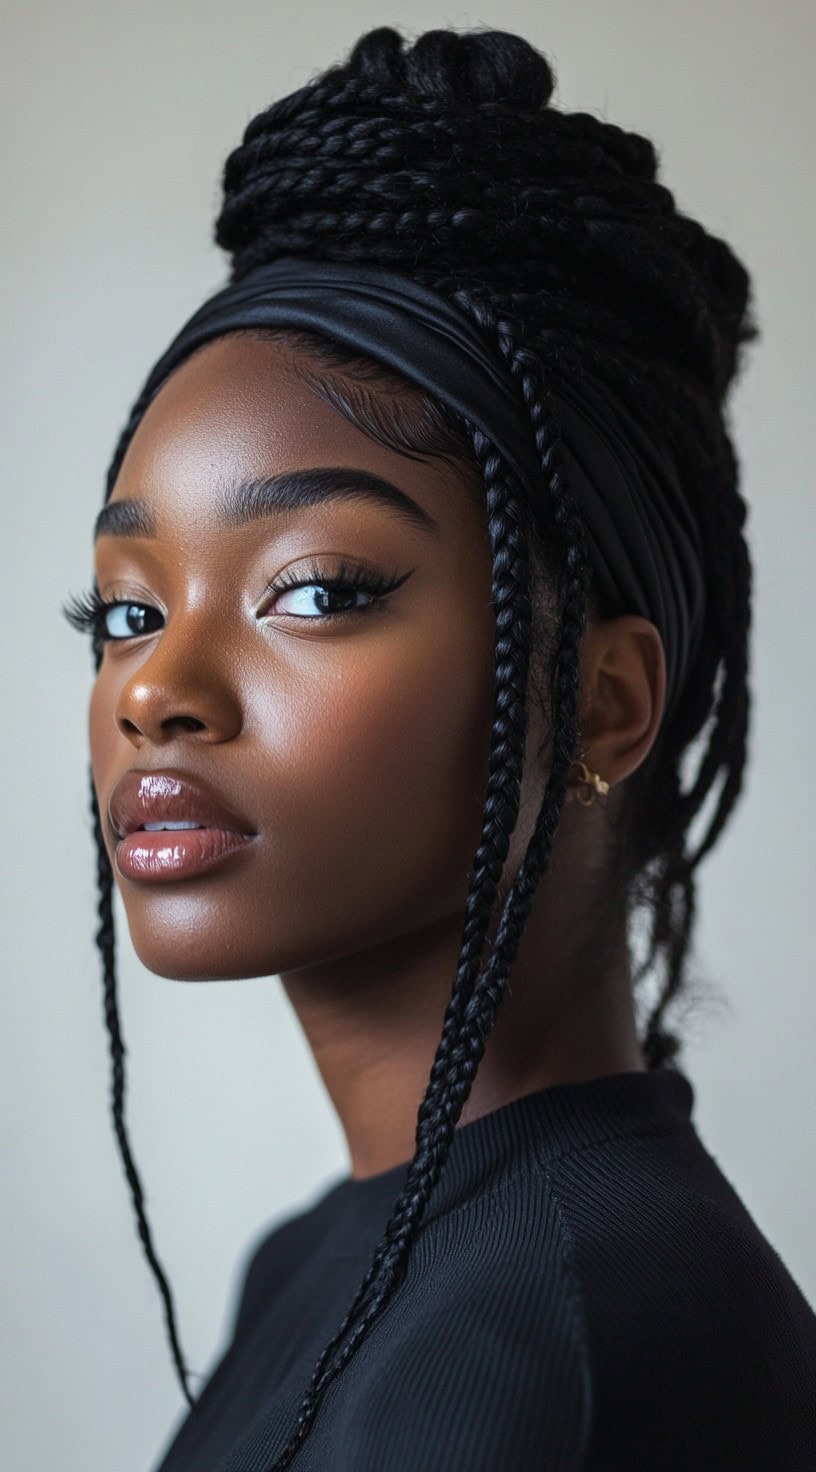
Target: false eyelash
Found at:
x=86, y=611
x=349, y=577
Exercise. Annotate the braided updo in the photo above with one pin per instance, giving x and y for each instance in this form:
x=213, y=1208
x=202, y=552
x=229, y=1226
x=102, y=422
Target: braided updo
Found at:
x=445, y=160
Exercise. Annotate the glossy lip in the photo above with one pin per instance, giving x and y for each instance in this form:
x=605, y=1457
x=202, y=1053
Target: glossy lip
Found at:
x=165, y=856
x=165, y=795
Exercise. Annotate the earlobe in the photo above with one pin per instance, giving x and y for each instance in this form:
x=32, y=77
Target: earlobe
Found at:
x=623, y=667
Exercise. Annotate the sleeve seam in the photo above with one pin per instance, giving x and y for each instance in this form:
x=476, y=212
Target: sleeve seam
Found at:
x=574, y=1289
x=545, y=1167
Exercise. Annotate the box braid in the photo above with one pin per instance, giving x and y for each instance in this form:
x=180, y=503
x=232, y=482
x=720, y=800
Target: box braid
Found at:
x=550, y=229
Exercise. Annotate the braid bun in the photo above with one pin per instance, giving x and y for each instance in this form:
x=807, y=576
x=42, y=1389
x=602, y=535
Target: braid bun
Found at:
x=443, y=69
x=446, y=160
x=397, y=155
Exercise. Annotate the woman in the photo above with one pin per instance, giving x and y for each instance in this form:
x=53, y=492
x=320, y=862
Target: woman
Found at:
x=420, y=574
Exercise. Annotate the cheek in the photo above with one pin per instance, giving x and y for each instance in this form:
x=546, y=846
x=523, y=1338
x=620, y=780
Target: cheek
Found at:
x=382, y=771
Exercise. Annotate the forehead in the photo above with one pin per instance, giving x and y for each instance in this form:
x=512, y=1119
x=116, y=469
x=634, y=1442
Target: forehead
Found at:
x=239, y=408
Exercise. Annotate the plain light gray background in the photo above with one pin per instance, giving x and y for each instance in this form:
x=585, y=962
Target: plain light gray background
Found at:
x=117, y=119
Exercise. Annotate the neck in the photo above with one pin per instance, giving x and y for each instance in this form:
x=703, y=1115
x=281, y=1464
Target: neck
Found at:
x=373, y=1022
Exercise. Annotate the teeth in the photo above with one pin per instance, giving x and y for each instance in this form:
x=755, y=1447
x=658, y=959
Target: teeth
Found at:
x=155, y=827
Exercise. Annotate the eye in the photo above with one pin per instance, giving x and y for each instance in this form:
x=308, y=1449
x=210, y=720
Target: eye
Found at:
x=320, y=600
x=321, y=596
x=109, y=620
x=127, y=620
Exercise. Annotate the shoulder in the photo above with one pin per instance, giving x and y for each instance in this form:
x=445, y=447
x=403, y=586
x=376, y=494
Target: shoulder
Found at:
x=615, y=1307
x=693, y=1323
x=273, y=1257
x=483, y=1346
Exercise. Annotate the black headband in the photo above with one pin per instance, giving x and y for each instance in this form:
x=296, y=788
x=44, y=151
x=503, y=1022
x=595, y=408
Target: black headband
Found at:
x=643, y=540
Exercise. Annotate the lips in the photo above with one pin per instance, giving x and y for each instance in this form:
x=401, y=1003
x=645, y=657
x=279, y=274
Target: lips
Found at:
x=166, y=796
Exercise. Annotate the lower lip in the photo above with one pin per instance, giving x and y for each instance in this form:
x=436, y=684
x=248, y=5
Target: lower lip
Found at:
x=165, y=855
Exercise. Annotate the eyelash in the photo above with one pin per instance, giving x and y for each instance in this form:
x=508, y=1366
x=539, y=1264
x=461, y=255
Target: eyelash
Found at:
x=88, y=611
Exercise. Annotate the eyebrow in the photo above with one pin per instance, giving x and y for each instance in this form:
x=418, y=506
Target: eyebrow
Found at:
x=254, y=499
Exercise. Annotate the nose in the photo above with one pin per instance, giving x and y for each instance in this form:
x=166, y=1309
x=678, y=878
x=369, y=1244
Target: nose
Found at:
x=184, y=685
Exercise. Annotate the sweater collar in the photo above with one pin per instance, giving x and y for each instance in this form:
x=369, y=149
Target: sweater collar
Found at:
x=534, y=1128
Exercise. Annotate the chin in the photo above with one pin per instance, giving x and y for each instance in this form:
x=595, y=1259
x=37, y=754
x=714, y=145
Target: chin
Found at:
x=197, y=958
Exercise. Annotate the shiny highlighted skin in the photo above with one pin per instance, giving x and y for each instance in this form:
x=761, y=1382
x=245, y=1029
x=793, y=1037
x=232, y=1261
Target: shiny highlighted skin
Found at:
x=167, y=855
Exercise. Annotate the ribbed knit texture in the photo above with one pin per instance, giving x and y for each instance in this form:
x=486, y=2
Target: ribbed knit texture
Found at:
x=587, y=1293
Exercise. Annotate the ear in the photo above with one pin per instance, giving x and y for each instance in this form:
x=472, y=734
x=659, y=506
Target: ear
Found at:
x=623, y=679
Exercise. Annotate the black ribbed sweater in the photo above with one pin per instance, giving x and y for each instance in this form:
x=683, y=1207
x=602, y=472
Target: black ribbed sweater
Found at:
x=586, y=1293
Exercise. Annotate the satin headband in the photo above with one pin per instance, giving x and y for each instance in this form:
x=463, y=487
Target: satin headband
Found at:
x=643, y=541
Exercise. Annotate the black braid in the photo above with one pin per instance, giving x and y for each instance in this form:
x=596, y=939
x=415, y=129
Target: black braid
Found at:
x=445, y=160
x=472, y=1011
x=105, y=940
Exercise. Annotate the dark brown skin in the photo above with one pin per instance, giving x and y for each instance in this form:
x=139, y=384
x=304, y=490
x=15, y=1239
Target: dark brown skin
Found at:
x=357, y=747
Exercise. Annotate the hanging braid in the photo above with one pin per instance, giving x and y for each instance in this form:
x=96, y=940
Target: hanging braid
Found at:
x=551, y=231
x=472, y=1008
x=105, y=940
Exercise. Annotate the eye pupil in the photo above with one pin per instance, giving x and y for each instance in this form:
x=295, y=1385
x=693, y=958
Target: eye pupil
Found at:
x=327, y=597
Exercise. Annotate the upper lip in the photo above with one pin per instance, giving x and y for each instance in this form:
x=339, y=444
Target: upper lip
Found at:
x=141, y=797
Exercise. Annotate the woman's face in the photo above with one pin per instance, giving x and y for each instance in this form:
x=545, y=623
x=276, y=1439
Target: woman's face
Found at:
x=353, y=746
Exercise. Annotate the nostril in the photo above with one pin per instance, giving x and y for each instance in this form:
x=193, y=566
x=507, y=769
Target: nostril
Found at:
x=185, y=723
